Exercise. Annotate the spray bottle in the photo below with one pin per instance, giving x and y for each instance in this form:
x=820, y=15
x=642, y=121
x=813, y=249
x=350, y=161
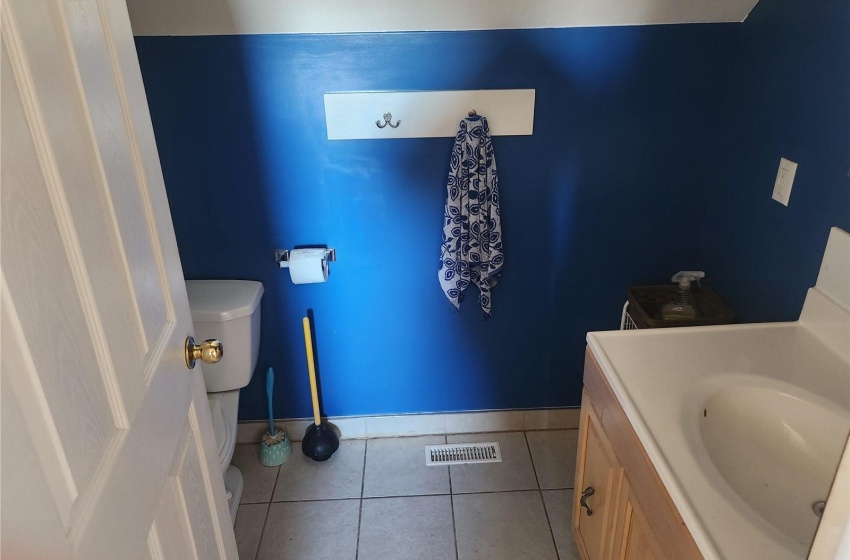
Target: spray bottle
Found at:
x=682, y=307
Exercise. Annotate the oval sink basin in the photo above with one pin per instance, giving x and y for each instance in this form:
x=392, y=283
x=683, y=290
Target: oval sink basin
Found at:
x=777, y=446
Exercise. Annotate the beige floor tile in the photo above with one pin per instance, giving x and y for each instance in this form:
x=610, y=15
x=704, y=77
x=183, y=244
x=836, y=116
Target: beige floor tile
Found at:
x=311, y=531
x=493, y=524
x=396, y=467
x=249, y=527
x=559, y=507
x=503, y=526
x=513, y=473
x=554, y=456
x=341, y=476
x=407, y=528
x=259, y=479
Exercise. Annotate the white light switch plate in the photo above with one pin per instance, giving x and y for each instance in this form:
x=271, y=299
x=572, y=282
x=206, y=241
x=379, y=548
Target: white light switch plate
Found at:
x=784, y=181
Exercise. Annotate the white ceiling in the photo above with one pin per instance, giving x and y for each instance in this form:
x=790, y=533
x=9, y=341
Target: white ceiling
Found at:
x=233, y=17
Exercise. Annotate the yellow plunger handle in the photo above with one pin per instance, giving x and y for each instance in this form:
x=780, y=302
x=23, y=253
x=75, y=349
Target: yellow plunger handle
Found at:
x=311, y=367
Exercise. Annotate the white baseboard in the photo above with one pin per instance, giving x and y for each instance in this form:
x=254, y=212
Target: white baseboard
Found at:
x=361, y=427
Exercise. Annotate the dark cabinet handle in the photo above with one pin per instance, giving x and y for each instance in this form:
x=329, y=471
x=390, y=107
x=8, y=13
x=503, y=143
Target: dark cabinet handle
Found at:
x=588, y=492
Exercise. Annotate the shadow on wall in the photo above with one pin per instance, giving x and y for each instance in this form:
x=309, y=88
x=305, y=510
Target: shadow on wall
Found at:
x=602, y=196
x=205, y=124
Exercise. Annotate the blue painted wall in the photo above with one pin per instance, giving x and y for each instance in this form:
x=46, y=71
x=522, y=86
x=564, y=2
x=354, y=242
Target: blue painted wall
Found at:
x=609, y=192
x=789, y=97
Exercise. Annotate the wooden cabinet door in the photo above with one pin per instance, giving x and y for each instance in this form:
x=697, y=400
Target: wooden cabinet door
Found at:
x=597, y=472
x=632, y=538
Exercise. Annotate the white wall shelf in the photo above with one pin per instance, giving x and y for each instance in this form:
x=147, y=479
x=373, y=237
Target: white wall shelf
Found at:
x=426, y=114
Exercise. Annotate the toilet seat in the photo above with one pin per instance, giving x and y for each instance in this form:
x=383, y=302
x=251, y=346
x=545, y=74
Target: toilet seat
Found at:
x=224, y=409
x=219, y=426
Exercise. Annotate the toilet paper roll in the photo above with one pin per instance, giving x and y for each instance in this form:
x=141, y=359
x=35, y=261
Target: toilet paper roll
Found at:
x=308, y=266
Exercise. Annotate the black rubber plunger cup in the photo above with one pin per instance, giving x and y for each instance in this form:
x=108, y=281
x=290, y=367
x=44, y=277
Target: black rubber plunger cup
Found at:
x=320, y=441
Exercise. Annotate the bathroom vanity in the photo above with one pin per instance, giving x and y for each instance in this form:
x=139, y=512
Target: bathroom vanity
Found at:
x=717, y=442
x=612, y=509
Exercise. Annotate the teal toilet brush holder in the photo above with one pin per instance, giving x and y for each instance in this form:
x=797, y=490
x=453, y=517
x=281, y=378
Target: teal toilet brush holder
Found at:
x=275, y=449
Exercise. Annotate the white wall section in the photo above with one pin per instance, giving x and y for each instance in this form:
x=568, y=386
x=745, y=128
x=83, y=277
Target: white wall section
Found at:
x=236, y=17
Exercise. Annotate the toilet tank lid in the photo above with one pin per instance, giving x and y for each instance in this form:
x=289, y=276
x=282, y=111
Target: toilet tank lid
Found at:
x=222, y=300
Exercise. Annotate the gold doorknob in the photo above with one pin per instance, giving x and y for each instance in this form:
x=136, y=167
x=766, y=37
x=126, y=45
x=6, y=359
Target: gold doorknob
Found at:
x=209, y=351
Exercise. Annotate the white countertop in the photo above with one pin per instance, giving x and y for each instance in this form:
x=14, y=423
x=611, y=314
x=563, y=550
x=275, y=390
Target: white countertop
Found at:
x=663, y=379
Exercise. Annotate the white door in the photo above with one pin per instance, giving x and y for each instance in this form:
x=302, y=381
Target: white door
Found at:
x=106, y=435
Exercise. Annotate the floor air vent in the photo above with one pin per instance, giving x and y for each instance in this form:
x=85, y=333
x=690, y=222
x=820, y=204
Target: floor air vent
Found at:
x=463, y=453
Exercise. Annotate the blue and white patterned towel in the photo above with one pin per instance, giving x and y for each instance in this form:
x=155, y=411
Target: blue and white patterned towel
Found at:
x=472, y=232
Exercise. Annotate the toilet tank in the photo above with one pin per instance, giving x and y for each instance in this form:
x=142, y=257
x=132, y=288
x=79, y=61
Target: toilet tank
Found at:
x=227, y=310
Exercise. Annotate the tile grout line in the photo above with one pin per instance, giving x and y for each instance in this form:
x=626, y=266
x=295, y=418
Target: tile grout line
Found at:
x=531, y=456
x=549, y=521
x=262, y=531
x=276, y=479
x=390, y=496
x=452, y=503
x=540, y=493
x=266, y=518
x=360, y=510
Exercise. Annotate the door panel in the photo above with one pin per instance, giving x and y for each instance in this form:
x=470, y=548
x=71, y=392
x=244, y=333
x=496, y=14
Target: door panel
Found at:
x=40, y=535
x=107, y=444
x=194, y=477
x=183, y=529
x=129, y=209
x=74, y=409
x=171, y=533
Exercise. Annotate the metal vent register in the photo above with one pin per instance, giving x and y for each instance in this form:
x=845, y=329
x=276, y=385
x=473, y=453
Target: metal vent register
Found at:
x=463, y=453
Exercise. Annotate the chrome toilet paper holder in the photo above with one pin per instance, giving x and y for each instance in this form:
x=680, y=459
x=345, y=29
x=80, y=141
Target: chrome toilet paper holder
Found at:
x=281, y=256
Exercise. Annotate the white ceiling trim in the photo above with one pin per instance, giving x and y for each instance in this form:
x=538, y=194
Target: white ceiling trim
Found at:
x=236, y=17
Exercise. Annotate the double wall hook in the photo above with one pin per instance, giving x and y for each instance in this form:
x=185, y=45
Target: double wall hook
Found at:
x=387, y=118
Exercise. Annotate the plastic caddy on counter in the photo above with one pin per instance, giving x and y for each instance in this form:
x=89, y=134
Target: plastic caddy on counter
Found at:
x=646, y=302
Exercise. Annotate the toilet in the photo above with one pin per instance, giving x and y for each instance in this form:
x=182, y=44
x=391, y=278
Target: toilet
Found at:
x=227, y=310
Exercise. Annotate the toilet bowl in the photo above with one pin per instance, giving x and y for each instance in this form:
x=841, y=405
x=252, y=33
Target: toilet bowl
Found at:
x=227, y=310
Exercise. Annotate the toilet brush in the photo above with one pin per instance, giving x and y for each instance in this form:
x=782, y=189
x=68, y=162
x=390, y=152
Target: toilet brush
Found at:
x=275, y=448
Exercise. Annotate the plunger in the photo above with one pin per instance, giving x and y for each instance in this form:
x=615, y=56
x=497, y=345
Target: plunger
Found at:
x=320, y=441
